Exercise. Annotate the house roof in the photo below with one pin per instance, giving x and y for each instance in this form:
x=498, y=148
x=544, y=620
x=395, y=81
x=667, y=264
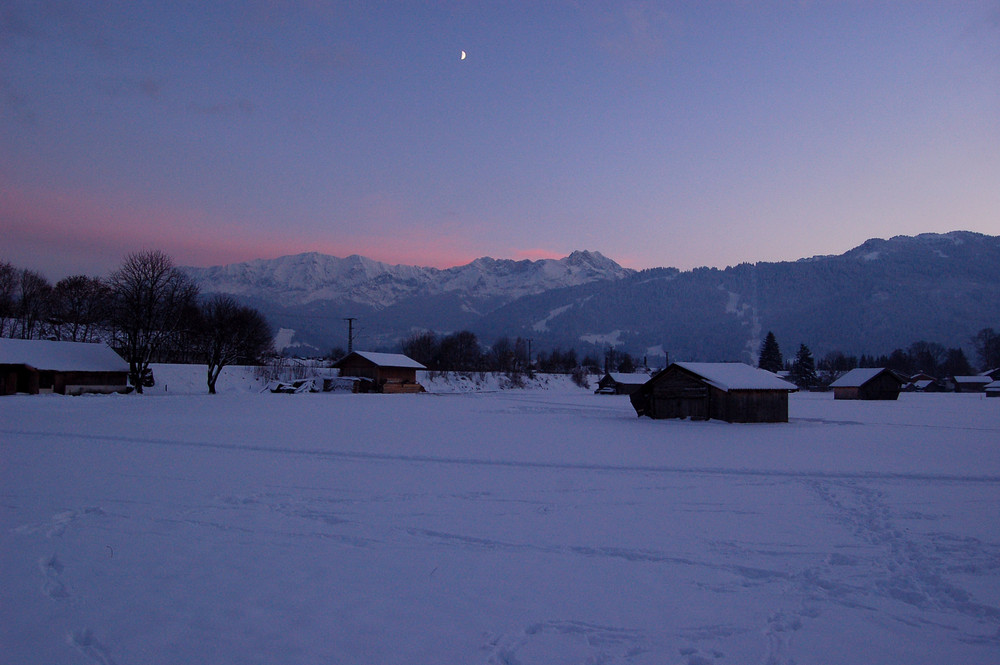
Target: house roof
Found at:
x=859, y=376
x=61, y=356
x=982, y=380
x=384, y=359
x=736, y=376
x=629, y=379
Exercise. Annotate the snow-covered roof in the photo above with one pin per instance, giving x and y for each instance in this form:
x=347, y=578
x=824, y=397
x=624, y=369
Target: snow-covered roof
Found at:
x=993, y=386
x=737, y=376
x=857, y=377
x=61, y=356
x=390, y=359
x=973, y=379
x=629, y=379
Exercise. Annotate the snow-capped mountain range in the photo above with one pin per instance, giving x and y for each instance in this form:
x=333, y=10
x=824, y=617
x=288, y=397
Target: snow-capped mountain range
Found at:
x=881, y=295
x=304, y=278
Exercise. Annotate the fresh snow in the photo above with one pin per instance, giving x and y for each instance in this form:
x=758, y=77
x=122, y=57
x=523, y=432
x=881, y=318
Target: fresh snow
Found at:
x=543, y=325
x=310, y=277
x=613, y=338
x=390, y=359
x=857, y=377
x=64, y=356
x=509, y=527
x=737, y=376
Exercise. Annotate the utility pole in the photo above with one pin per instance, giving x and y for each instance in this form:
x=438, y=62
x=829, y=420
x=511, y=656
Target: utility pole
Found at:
x=350, y=332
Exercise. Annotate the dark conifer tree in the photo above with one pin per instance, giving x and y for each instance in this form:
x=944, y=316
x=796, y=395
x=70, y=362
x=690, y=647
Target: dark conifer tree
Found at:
x=803, y=372
x=956, y=364
x=770, y=355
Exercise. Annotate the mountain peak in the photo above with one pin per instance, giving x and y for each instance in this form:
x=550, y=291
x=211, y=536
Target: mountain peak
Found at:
x=311, y=276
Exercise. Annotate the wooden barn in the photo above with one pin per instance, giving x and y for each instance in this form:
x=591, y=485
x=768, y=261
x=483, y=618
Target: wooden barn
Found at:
x=868, y=383
x=382, y=372
x=620, y=383
x=923, y=383
x=68, y=368
x=734, y=392
x=969, y=384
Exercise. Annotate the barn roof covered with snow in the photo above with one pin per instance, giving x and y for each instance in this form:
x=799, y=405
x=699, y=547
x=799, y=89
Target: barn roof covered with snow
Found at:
x=61, y=356
x=629, y=378
x=858, y=377
x=974, y=380
x=384, y=359
x=736, y=376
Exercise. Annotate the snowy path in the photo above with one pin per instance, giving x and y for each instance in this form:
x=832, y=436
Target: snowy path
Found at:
x=511, y=528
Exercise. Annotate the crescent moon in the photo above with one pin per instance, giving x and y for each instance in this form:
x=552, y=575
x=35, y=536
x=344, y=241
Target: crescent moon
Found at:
x=463, y=56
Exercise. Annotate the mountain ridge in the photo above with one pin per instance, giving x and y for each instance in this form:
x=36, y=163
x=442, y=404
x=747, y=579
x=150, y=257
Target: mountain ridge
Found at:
x=880, y=295
x=310, y=276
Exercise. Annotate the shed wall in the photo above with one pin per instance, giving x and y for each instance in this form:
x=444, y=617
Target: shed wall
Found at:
x=678, y=394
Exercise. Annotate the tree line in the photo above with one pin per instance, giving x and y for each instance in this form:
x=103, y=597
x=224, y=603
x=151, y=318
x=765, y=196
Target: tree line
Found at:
x=920, y=357
x=147, y=309
x=462, y=352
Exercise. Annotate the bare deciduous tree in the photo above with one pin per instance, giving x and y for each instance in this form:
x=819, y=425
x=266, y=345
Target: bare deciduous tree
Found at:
x=79, y=307
x=8, y=287
x=230, y=333
x=150, y=298
x=987, y=344
x=34, y=298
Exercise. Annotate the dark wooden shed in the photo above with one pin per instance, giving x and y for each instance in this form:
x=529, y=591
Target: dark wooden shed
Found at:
x=68, y=368
x=868, y=383
x=969, y=384
x=734, y=392
x=385, y=372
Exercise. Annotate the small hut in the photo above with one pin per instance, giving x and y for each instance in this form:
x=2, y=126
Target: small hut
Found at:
x=922, y=383
x=868, y=383
x=734, y=392
x=620, y=383
x=969, y=384
x=68, y=368
x=381, y=372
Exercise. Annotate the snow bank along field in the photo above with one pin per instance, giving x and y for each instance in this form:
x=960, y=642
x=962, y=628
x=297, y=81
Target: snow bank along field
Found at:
x=538, y=526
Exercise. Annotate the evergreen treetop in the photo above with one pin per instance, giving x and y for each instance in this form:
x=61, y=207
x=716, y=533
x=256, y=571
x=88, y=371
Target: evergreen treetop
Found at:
x=770, y=354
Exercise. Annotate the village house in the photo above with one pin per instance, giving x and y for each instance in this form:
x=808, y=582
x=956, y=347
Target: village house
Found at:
x=620, y=383
x=969, y=384
x=68, y=368
x=734, y=392
x=993, y=389
x=381, y=372
x=923, y=383
x=868, y=383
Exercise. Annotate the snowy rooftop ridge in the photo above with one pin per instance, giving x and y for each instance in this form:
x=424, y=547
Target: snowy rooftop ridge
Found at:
x=737, y=376
x=629, y=378
x=390, y=359
x=857, y=377
x=978, y=379
x=63, y=356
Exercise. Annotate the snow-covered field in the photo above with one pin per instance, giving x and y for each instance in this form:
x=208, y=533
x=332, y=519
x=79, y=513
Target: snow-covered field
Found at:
x=543, y=526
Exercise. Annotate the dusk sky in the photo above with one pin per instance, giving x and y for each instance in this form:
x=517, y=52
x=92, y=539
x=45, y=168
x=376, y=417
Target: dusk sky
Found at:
x=657, y=133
